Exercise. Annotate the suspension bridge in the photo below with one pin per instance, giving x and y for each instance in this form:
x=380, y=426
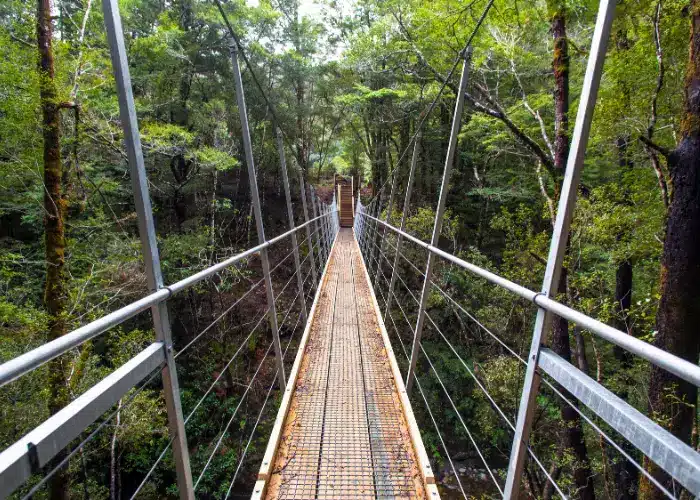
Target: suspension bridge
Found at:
x=345, y=427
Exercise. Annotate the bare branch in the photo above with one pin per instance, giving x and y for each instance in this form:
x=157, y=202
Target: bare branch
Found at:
x=535, y=114
x=22, y=41
x=497, y=112
x=543, y=190
x=81, y=40
x=651, y=144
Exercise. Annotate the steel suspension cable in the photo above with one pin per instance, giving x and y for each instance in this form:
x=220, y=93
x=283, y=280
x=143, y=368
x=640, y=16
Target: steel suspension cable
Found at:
x=257, y=422
x=129, y=400
x=483, y=389
x=248, y=65
x=199, y=403
x=250, y=438
x=530, y=451
x=547, y=382
x=437, y=97
x=256, y=81
x=293, y=303
x=432, y=418
x=223, y=370
x=235, y=412
x=459, y=416
x=238, y=301
x=466, y=367
x=459, y=306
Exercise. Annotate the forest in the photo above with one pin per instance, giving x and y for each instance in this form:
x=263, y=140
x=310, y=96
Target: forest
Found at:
x=344, y=87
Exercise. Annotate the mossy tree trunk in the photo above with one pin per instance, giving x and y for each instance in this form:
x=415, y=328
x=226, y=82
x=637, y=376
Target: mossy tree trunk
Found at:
x=55, y=291
x=672, y=401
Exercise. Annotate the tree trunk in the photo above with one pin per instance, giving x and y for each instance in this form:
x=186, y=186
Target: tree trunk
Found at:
x=672, y=401
x=55, y=293
x=572, y=432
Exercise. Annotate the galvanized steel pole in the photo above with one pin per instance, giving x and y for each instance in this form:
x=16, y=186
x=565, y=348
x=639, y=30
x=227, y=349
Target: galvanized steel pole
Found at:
x=149, y=244
x=439, y=213
x=319, y=239
x=389, y=207
x=321, y=230
x=557, y=248
x=366, y=232
x=309, y=239
x=290, y=215
x=329, y=229
x=373, y=241
x=404, y=216
x=255, y=200
x=362, y=226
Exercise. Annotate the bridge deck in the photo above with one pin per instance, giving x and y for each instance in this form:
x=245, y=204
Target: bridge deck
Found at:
x=345, y=428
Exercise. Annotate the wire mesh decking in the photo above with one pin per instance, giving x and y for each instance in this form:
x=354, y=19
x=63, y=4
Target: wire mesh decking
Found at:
x=345, y=434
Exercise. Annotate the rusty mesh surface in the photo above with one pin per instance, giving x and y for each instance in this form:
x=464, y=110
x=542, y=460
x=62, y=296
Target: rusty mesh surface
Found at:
x=345, y=435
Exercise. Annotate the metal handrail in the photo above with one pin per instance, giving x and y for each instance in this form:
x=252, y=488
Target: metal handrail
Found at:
x=667, y=451
x=678, y=366
x=29, y=361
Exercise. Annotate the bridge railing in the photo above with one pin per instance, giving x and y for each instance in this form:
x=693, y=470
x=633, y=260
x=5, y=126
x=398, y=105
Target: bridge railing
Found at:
x=30, y=454
x=46, y=450
x=679, y=460
x=37, y=449
x=540, y=365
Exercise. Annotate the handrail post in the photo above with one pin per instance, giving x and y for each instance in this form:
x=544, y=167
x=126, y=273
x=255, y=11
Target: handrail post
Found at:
x=309, y=240
x=389, y=207
x=404, y=216
x=334, y=216
x=292, y=225
x=324, y=227
x=373, y=241
x=368, y=234
x=149, y=244
x=255, y=199
x=319, y=240
x=318, y=212
x=439, y=214
x=357, y=223
x=362, y=226
x=557, y=248
x=366, y=229
x=326, y=221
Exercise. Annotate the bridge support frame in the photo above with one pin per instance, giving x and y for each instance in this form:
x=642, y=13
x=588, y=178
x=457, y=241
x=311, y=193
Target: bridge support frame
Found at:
x=317, y=225
x=320, y=227
x=558, y=244
x=404, y=216
x=309, y=239
x=255, y=199
x=373, y=236
x=439, y=215
x=389, y=207
x=292, y=225
x=149, y=243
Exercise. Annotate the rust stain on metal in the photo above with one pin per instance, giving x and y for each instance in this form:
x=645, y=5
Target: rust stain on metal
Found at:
x=345, y=435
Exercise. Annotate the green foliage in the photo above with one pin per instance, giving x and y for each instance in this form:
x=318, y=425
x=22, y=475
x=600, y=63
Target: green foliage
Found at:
x=349, y=93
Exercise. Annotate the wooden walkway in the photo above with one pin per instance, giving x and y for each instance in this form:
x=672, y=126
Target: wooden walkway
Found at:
x=345, y=427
